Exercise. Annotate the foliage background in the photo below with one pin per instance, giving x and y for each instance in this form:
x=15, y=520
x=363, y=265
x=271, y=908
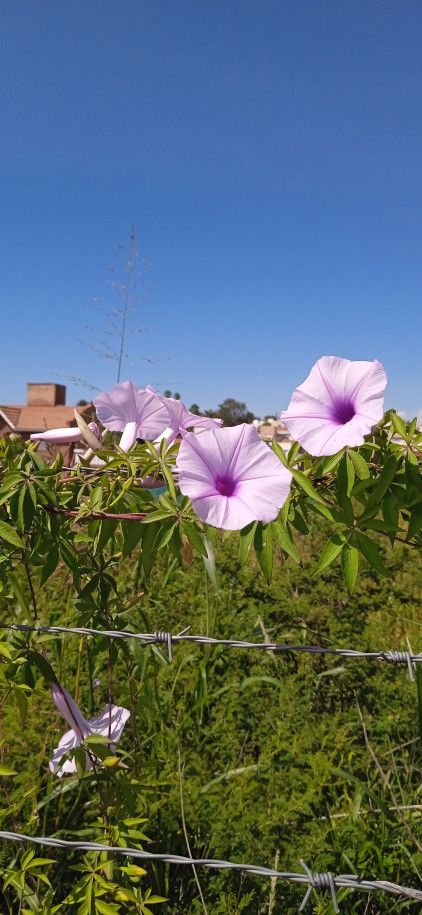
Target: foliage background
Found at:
x=267, y=750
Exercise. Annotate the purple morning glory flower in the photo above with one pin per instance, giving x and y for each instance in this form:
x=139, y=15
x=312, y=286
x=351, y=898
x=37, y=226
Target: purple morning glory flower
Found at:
x=135, y=413
x=108, y=724
x=180, y=419
x=337, y=405
x=64, y=436
x=232, y=477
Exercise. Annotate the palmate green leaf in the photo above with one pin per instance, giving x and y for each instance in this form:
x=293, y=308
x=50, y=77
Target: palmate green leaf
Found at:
x=370, y=551
x=349, y=565
x=263, y=546
x=332, y=548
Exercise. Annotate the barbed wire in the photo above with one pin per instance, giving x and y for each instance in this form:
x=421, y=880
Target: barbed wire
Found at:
x=153, y=638
x=315, y=881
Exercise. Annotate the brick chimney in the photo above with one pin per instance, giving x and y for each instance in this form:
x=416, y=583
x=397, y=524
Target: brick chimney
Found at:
x=46, y=395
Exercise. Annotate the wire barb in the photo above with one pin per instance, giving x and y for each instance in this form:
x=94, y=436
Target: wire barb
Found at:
x=319, y=882
x=166, y=638
x=400, y=657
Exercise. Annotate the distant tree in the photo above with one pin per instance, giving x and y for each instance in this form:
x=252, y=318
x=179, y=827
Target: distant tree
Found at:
x=82, y=403
x=194, y=409
x=232, y=412
x=176, y=395
x=167, y=393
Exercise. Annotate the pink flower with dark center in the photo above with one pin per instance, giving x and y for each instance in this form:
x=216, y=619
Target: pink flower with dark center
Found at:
x=63, y=436
x=180, y=419
x=108, y=724
x=232, y=477
x=337, y=405
x=134, y=412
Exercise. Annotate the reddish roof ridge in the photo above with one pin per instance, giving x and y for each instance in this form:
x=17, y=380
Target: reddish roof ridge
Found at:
x=11, y=413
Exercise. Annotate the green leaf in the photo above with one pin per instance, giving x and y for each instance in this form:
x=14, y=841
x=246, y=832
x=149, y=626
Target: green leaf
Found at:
x=279, y=452
x=247, y=535
x=386, y=477
x=22, y=703
x=164, y=533
x=50, y=564
x=415, y=521
x=399, y=425
x=263, y=546
x=360, y=465
x=107, y=528
x=169, y=480
x=305, y=484
x=294, y=451
x=332, y=548
x=194, y=536
x=105, y=909
x=8, y=533
x=370, y=551
x=282, y=537
x=44, y=666
x=329, y=463
x=6, y=771
x=132, y=533
x=349, y=565
x=209, y=563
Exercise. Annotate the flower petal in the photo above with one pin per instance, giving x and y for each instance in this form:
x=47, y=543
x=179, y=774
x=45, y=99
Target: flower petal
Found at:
x=58, y=436
x=129, y=436
x=232, y=477
x=68, y=708
x=111, y=721
x=337, y=405
x=67, y=742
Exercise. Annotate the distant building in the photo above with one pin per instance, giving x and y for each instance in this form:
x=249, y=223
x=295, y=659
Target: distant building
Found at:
x=274, y=428
x=45, y=409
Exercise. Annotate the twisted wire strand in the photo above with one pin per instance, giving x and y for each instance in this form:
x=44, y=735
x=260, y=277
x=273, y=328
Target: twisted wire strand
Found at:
x=314, y=880
x=152, y=638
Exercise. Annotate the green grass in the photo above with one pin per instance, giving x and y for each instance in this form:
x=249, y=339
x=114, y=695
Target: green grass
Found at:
x=266, y=751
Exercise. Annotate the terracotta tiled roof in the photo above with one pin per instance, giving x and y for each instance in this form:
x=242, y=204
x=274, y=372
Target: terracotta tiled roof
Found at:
x=38, y=419
x=11, y=413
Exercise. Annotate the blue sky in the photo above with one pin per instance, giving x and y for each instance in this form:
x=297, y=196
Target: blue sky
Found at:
x=269, y=154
